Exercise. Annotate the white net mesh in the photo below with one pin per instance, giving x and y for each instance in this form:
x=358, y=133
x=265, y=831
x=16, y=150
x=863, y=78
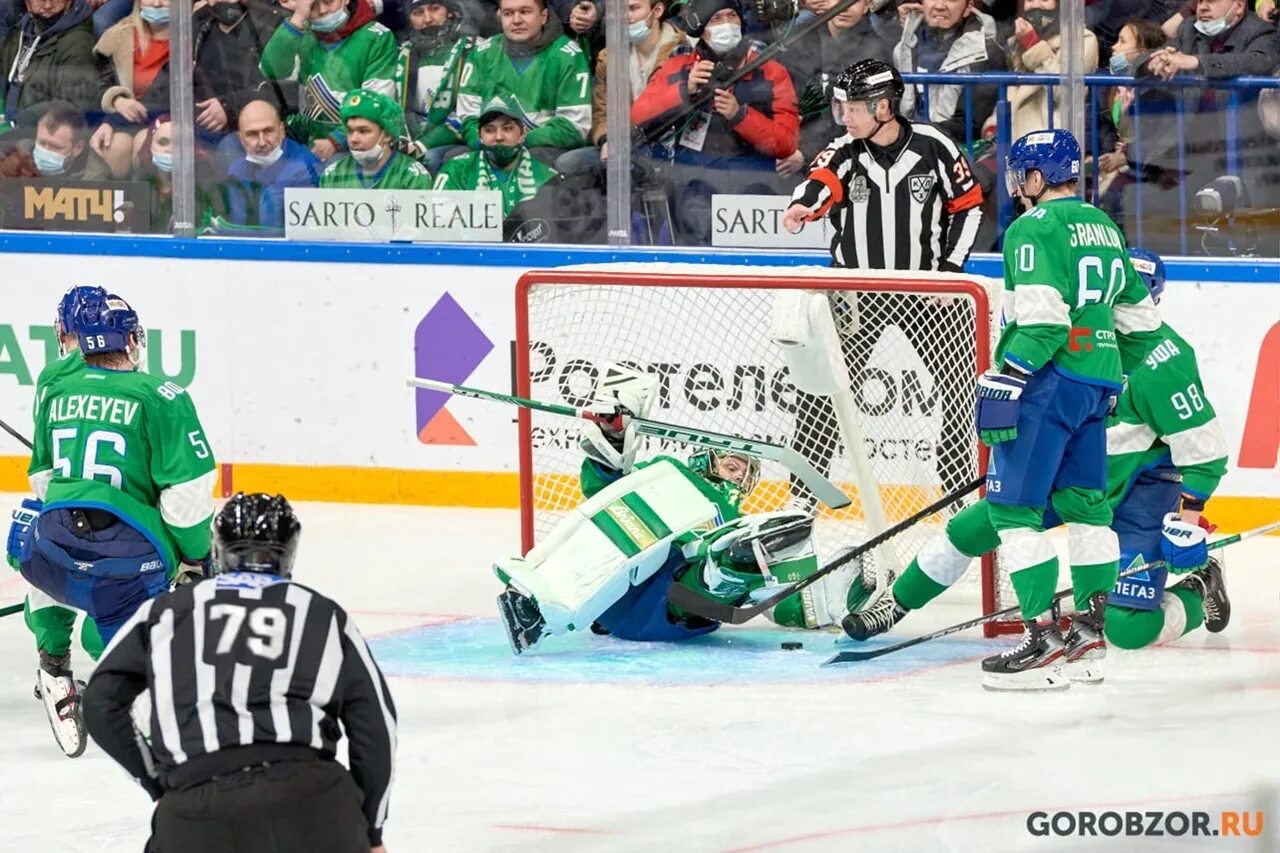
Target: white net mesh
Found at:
x=912, y=348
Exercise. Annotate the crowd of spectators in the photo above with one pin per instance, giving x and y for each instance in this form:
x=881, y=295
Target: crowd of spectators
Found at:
x=511, y=96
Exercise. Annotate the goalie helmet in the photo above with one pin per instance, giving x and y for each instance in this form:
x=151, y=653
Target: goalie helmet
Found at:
x=707, y=463
x=256, y=533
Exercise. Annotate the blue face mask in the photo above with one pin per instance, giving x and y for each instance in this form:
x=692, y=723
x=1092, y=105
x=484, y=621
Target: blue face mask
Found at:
x=48, y=162
x=155, y=14
x=330, y=22
x=1120, y=64
x=163, y=160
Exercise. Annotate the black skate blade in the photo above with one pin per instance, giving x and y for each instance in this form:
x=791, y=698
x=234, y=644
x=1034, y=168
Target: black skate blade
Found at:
x=509, y=624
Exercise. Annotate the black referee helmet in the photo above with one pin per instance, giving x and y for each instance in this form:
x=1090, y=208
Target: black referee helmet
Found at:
x=869, y=80
x=256, y=533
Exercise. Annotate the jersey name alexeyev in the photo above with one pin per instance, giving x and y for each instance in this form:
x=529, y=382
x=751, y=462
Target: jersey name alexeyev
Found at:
x=1092, y=234
x=92, y=407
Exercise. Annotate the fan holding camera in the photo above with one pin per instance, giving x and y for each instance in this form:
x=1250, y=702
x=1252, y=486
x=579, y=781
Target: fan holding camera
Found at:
x=731, y=141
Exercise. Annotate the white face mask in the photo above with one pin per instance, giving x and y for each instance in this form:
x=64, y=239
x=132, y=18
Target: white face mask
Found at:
x=1216, y=27
x=370, y=157
x=723, y=38
x=265, y=159
x=639, y=31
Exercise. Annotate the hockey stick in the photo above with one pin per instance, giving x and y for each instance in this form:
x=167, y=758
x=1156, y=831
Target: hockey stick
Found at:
x=853, y=656
x=13, y=432
x=689, y=599
x=788, y=457
x=11, y=609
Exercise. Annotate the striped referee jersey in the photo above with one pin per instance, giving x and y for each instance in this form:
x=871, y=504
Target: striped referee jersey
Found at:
x=247, y=660
x=912, y=205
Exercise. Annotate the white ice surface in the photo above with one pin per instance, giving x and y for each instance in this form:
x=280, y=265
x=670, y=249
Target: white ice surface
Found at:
x=912, y=756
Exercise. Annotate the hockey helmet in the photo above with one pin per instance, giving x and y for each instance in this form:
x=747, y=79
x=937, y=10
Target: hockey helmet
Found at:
x=869, y=80
x=64, y=322
x=104, y=323
x=707, y=464
x=1150, y=267
x=256, y=533
x=1055, y=154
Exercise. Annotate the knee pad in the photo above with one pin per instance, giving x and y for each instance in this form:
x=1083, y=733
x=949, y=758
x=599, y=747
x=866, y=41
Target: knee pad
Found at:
x=1082, y=506
x=971, y=530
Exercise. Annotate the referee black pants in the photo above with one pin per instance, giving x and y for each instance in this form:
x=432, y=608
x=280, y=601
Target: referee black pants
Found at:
x=286, y=807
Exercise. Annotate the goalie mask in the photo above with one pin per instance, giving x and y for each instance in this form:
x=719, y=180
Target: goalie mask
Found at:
x=734, y=473
x=758, y=552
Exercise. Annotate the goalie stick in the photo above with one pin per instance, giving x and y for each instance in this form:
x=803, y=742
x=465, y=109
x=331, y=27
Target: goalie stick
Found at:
x=854, y=656
x=788, y=457
x=689, y=599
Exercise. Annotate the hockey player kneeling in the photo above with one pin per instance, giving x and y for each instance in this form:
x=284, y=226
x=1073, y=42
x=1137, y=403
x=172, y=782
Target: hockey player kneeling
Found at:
x=644, y=526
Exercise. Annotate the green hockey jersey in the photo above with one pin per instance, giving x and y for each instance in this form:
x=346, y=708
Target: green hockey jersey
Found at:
x=552, y=87
x=71, y=364
x=366, y=59
x=1164, y=411
x=429, y=81
x=398, y=173
x=1065, y=267
x=518, y=183
x=132, y=444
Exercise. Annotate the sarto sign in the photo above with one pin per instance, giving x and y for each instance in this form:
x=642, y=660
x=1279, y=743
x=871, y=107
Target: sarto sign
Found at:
x=382, y=216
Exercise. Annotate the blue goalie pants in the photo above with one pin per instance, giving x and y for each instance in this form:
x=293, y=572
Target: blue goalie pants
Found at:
x=106, y=572
x=642, y=613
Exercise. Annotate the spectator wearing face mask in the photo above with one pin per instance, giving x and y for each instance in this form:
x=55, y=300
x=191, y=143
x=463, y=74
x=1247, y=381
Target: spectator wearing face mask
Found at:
x=732, y=143
x=255, y=184
x=47, y=56
x=373, y=123
x=333, y=47
x=432, y=57
x=153, y=165
x=60, y=147
x=1036, y=48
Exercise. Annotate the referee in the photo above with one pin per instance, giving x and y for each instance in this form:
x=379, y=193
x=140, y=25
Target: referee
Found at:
x=249, y=676
x=901, y=196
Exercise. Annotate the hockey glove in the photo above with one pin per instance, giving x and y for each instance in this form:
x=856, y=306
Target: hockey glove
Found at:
x=22, y=531
x=1184, y=547
x=999, y=398
x=190, y=571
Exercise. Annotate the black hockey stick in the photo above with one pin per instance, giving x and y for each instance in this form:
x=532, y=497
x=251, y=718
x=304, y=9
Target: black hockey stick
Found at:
x=692, y=601
x=853, y=656
x=11, y=609
x=13, y=432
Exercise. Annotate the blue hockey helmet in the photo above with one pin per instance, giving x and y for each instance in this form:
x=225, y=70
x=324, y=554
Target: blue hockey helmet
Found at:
x=64, y=320
x=104, y=323
x=1151, y=268
x=1055, y=154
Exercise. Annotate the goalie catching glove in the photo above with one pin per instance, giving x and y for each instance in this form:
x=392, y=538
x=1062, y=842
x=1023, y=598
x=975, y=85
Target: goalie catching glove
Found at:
x=609, y=437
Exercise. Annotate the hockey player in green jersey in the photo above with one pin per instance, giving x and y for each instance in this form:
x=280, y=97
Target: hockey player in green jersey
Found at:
x=503, y=163
x=125, y=477
x=608, y=566
x=1042, y=408
x=429, y=73
x=374, y=122
x=535, y=64
x=1165, y=455
x=332, y=46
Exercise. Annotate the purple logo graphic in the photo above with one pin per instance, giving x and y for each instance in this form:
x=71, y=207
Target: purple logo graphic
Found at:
x=447, y=346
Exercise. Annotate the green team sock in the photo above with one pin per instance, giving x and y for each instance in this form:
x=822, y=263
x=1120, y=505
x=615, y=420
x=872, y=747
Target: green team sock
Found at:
x=91, y=639
x=52, y=627
x=914, y=589
x=1035, y=586
x=1087, y=581
x=1193, y=603
x=1136, y=629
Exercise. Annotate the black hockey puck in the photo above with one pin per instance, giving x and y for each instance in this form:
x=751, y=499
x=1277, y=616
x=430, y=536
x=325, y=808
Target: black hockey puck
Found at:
x=792, y=646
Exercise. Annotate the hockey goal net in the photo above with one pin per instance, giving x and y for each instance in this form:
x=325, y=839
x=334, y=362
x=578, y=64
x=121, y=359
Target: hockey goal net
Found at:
x=912, y=344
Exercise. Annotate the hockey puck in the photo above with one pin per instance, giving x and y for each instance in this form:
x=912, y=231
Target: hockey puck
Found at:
x=791, y=647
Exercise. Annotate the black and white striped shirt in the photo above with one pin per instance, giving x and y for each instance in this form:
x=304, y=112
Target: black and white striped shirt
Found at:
x=913, y=205
x=245, y=660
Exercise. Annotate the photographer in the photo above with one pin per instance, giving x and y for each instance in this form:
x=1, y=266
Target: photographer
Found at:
x=732, y=143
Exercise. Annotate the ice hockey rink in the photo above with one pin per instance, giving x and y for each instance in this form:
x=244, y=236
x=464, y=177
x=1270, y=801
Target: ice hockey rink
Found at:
x=724, y=744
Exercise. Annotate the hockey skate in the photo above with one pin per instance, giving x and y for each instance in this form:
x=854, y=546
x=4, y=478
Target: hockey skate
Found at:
x=1033, y=664
x=60, y=693
x=1217, y=607
x=876, y=619
x=1085, y=645
x=521, y=618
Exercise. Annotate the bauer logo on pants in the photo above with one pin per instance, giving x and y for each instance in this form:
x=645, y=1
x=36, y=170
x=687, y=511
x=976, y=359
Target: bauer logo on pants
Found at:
x=447, y=346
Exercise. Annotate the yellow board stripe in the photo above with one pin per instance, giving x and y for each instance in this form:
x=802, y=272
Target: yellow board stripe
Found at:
x=500, y=490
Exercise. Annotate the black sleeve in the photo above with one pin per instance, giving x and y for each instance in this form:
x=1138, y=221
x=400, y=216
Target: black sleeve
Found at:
x=369, y=717
x=120, y=676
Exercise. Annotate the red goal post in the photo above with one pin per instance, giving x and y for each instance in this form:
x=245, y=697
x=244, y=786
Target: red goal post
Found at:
x=913, y=344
